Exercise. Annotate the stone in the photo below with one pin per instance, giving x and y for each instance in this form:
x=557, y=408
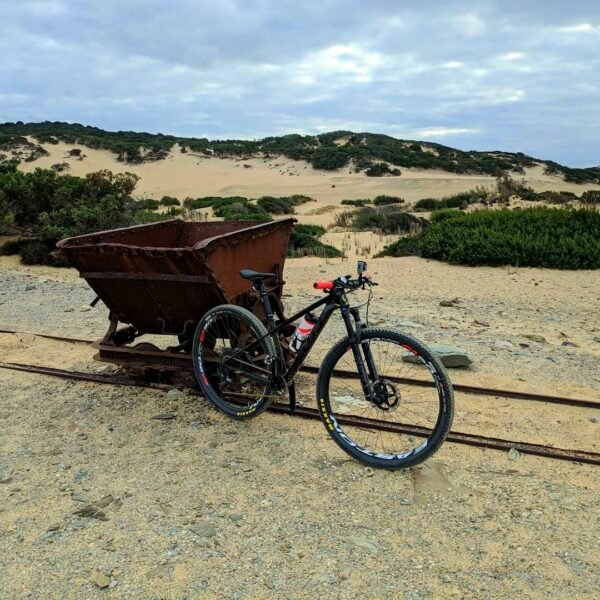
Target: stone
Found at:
x=100, y=579
x=449, y=355
x=236, y=517
x=166, y=416
x=567, y=343
x=91, y=511
x=29, y=287
x=364, y=543
x=540, y=339
x=85, y=308
x=481, y=323
x=447, y=303
x=175, y=394
x=596, y=338
x=204, y=530
x=514, y=454
x=5, y=473
x=594, y=419
x=503, y=345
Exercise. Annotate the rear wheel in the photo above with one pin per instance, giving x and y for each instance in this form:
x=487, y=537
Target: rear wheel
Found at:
x=236, y=376
x=411, y=402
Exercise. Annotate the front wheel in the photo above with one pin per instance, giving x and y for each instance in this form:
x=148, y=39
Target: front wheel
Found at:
x=402, y=415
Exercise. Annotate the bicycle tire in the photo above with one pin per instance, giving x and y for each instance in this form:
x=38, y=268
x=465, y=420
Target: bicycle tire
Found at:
x=208, y=362
x=340, y=432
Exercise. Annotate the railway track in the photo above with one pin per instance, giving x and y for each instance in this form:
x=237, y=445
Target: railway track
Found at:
x=458, y=387
x=571, y=455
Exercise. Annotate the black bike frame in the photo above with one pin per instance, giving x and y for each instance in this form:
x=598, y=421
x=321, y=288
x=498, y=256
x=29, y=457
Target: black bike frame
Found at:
x=334, y=300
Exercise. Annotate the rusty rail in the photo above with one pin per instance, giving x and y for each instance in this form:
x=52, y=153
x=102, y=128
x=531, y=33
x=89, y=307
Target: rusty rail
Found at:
x=571, y=455
x=181, y=360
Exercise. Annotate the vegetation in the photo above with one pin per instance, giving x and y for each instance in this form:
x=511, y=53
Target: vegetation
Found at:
x=384, y=200
x=456, y=201
x=305, y=241
x=372, y=153
x=169, y=201
x=50, y=206
x=281, y=206
x=536, y=237
x=385, y=219
x=357, y=203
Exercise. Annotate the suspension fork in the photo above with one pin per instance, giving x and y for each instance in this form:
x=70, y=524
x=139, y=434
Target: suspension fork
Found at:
x=366, y=367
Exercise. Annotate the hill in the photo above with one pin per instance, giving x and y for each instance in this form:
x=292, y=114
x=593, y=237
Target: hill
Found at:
x=374, y=154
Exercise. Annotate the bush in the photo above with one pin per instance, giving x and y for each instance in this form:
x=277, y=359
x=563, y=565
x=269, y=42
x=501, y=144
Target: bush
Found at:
x=381, y=169
x=456, y=201
x=276, y=206
x=387, y=219
x=384, y=200
x=358, y=203
x=148, y=204
x=405, y=246
x=314, y=230
x=591, y=197
x=304, y=244
x=169, y=201
x=535, y=237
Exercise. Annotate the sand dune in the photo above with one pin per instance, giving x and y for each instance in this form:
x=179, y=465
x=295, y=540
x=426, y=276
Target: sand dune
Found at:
x=188, y=174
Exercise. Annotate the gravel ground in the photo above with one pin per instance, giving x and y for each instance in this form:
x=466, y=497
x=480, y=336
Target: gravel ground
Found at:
x=128, y=493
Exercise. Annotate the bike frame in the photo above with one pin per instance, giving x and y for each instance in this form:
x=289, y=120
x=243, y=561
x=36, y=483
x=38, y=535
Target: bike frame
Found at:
x=334, y=300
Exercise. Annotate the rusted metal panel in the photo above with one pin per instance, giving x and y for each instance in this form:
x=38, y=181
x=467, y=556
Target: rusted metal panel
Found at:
x=162, y=277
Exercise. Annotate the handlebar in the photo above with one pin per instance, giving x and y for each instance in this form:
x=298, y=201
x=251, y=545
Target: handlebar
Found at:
x=346, y=282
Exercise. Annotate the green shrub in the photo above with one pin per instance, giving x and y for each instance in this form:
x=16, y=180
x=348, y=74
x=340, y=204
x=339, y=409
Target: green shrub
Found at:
x=359, y=203
x=535, y=237
x=461, y=200
x=386, y=219
x=276, y=206
x=405, y=246
x=304, y=244
x=381, y=169
x=313, y=230
x=591, y=197
x=148, y=204
x=169, y=201
x=384, y=200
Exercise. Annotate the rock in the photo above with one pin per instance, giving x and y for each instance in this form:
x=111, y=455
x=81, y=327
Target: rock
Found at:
x=364, y=543
x=91, y=512
x=503, y=345
x=481, y=323
x=514, y=454
x=5, y=473
x=449, y=355
x=175, y=394
x=53, y=527
x=447, y=303
x=204, y=530
x=166, y=416
x=85, y=308
x=596, y=338
x=69, y=309
x=540, y=339
x=29, y=287
x=594, y=420
x=236, y=517
x=100, y=579
x=567, y=343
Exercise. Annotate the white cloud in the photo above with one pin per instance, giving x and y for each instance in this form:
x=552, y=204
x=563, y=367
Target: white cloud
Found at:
x=512, y=56
x=470, y=25
x=580, y=28
x=453, y=64
x=430, y=132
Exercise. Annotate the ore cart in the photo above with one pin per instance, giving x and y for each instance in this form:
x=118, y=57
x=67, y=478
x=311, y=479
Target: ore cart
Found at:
x=161, y=279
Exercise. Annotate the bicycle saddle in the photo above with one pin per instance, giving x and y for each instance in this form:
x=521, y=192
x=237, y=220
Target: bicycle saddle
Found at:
x=252, y=275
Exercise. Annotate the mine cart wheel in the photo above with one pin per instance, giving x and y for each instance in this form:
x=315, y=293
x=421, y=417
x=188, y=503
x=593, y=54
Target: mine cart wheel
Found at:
x=234, y=371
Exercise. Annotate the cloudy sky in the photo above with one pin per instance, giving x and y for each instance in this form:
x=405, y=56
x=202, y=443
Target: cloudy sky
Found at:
x=498, y=74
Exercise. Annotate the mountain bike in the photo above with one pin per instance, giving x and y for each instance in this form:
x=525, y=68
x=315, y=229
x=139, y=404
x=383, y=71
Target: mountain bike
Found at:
x=379, y=408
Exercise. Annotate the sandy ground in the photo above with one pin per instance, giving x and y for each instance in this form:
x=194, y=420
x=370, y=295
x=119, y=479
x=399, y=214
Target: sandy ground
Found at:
x=96, y=490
